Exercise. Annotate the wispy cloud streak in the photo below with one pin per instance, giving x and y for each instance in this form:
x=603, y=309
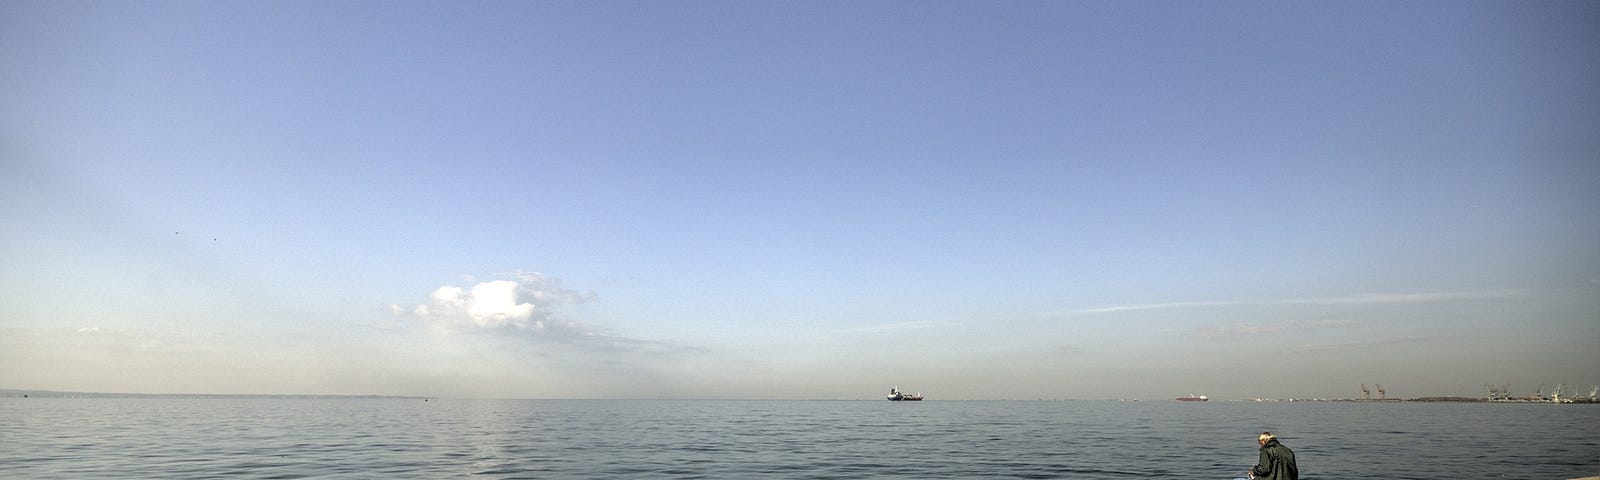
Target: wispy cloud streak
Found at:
x=1358, y=345
x=891, y=327
x=1234, y=332
x=1360, y=299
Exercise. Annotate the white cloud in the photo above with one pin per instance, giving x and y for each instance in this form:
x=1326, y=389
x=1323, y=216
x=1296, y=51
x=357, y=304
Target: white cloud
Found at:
x=449, y=296
x=523, y=301
x=495, y=303
x=526, y=320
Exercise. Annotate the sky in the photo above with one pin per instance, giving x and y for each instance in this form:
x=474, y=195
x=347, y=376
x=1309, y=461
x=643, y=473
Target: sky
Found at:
x=800, y=200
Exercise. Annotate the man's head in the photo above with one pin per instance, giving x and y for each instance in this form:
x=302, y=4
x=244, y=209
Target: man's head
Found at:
x=1265, y=437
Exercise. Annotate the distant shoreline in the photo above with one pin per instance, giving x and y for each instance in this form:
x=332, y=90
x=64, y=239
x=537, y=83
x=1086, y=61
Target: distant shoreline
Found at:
x=18, y=393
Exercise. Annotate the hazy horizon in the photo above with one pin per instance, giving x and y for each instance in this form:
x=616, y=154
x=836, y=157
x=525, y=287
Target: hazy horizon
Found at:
x=973, y=200
x=1571, y=392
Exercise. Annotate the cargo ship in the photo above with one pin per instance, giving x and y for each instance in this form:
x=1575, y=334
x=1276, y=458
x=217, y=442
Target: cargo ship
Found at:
x=1192, y=398
x=895, y=395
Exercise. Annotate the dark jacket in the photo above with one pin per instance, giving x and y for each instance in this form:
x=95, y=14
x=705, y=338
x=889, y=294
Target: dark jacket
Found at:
x=1277, y=463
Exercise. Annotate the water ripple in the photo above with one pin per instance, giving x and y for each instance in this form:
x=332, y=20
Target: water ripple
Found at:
x=365, y=438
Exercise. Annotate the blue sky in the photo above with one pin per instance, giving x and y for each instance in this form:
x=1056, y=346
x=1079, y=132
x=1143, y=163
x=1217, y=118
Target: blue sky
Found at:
x=787, y=200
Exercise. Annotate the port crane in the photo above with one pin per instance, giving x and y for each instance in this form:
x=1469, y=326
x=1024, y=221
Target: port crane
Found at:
x=1365, y=394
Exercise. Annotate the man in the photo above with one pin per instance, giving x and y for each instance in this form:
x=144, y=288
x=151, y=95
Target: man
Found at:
x=1277, y=461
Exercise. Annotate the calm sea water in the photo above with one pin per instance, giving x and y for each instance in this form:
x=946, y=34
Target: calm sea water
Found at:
x=404, y=438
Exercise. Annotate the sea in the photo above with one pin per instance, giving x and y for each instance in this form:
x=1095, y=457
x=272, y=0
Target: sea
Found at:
x=360, y=438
